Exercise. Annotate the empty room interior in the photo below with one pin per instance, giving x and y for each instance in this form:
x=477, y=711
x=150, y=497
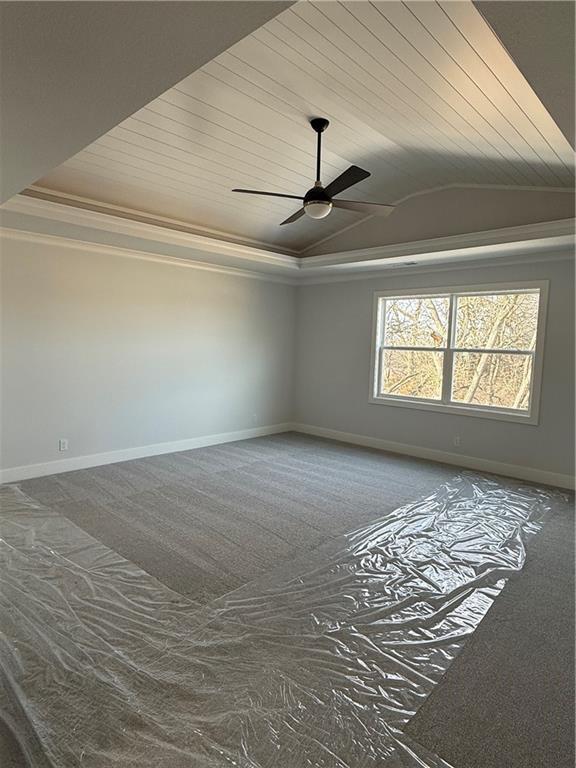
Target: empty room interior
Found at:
x=287, y=384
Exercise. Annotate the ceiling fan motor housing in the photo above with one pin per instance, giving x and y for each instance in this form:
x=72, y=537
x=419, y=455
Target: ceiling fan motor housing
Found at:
x=317, y=202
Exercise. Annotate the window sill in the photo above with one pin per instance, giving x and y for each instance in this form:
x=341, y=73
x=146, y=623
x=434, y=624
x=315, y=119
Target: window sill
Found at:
x=457, y=410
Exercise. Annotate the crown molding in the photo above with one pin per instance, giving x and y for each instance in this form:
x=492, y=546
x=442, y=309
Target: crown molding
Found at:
x=423, y=268
x=200, y=247
x=86, y=203
x=508, y=242
x=545, y=240
x=19, y=235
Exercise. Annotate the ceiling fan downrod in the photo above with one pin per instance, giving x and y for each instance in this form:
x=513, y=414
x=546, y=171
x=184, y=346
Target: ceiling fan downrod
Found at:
x=319, y=200
x=319, y=124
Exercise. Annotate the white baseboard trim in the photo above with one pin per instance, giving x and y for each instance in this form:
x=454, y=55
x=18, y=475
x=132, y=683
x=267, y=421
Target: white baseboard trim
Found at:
x=28, y=471
x=468, y=462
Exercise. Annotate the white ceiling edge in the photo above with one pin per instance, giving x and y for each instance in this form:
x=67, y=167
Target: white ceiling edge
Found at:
x=145, y=241
x=132, y=214
x=527, y=252
x=559, y=233
x=199, y=248
x=19, y=235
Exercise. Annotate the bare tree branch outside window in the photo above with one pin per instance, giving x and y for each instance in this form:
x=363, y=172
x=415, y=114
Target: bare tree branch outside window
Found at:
x=490, y=352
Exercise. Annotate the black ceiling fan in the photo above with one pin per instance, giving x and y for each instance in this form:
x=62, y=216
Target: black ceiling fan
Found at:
x=319, y=201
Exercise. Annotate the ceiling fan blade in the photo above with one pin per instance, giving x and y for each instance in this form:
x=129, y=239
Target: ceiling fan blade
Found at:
x=268, y=194
x=377, y=209
x=294, y=217
x=347, y=179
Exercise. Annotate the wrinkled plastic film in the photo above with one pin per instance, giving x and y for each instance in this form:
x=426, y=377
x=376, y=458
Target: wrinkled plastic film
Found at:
x=320, y=665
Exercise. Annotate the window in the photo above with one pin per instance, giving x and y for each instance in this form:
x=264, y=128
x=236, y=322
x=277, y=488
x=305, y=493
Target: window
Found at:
x=470, y=351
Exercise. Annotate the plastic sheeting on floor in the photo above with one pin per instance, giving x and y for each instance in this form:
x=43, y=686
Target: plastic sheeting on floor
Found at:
x=320, y=664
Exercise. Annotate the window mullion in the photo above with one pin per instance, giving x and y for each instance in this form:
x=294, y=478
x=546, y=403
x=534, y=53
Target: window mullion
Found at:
x=379, y=369
x=392, y=362
x=448, y=354
x=492, y=351
x=401, y=348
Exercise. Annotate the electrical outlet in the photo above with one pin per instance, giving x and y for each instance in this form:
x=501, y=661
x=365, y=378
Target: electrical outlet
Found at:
x=62, y=444
x=456, y=441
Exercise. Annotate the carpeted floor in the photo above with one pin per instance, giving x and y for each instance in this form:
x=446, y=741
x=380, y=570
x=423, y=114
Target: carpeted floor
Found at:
x=508, y=699
x=207, y=521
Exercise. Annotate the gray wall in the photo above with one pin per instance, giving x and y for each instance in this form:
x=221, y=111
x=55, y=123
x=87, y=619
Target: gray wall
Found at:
x=115, y=353
x=333, y=370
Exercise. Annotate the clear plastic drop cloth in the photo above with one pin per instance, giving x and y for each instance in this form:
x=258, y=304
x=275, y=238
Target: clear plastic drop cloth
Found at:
x=319, y=665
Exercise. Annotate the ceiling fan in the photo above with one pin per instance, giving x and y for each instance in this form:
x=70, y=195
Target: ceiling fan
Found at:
x=319, y=201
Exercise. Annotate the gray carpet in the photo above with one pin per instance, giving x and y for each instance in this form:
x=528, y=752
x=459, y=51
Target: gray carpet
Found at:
x=206, y=521
x=508, y=700
x=209, y=520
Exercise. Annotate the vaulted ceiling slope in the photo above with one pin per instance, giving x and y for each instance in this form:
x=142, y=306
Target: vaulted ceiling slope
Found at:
x=422, y=94
x=539, y=36
x=70, y=71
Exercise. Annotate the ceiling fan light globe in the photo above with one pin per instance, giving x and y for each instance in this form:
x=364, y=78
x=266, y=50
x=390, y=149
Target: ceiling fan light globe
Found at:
x=317, y=209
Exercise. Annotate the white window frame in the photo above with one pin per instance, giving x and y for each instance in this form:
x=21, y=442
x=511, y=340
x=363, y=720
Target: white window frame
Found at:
x=445, y=405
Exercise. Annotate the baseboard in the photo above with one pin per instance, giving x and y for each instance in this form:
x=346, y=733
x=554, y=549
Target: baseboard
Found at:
x=28, y=471
x=468, y=462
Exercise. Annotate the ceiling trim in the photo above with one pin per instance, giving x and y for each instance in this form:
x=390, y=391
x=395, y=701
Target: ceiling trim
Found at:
x=19, y=235
x=298, y=279
x=202, y=246
x=192, y=235
x=531, y=241
x=525, y=236
x=132, y=214
x=459, y=262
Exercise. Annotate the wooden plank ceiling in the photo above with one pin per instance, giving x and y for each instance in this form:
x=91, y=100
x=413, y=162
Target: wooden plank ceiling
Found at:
x=422, y=94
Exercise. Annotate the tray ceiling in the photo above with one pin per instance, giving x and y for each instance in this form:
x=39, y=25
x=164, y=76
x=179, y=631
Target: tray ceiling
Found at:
x=422, y=94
